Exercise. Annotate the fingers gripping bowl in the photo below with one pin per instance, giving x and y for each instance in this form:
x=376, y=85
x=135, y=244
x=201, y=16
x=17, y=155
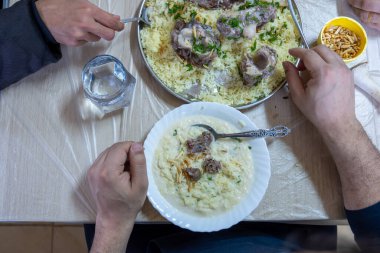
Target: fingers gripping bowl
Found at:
x=205, y=187
x=229, y=53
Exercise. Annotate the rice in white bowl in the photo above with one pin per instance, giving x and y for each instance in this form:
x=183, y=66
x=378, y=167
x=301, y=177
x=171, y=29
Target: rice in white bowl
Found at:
x=221, y=81
x=212, y=193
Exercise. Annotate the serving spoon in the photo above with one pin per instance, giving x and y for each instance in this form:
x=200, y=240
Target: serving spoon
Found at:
x=144, y=18
x=277, y=131
x=296, y=21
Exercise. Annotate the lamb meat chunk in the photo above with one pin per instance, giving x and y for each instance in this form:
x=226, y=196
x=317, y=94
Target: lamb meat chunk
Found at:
x=258, y=66
x=216, y=4
x=259, y=15
x=211, y=166
x=230, y=27
x=194, y=42
x=194, y=174
x=199, y=144
x=244, y=23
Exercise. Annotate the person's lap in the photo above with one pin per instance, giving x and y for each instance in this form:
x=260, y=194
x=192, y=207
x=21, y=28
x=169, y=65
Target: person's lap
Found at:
x=243, y=237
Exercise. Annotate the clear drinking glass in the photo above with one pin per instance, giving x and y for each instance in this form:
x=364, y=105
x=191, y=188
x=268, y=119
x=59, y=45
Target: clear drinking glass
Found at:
x=107, y=84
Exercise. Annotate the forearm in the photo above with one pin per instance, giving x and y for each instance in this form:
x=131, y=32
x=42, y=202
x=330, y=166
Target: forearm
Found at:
x=328, y=100
x=358, y=164
x=111, y=237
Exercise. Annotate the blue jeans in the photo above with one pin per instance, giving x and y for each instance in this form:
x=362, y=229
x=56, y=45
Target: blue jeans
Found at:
x=243, y=237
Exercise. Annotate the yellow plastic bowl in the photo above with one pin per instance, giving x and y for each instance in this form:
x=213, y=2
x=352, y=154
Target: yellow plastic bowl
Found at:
x=351, y=24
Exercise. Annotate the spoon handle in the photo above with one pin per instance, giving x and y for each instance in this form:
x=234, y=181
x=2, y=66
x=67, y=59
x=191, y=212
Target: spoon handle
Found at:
x=277, y=131
x=296, y=21
x=127, y=20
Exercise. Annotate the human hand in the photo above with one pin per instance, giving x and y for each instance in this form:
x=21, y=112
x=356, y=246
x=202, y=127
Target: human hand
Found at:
x=118, y=182
x=327, y=98
x=76, y=22
x=368, y=11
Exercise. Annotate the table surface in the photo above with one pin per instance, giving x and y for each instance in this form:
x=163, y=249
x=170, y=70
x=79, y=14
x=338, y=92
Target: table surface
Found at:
x=49, y=138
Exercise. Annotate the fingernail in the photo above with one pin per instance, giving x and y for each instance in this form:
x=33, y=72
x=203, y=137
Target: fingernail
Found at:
x=137, y=147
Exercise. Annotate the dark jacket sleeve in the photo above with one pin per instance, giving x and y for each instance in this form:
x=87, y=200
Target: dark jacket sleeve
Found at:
x=26, y=44
x=365, y=225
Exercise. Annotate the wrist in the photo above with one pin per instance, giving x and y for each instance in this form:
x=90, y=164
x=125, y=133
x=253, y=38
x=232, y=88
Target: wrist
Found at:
x=37, y=8
x=113, y=224
x=111, y=235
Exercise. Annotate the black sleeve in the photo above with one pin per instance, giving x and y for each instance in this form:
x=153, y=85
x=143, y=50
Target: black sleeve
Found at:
x=26, y=44
x=365, y=225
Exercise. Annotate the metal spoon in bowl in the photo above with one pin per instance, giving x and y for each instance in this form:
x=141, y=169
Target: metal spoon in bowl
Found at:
x=144, y=18
x=277, y=131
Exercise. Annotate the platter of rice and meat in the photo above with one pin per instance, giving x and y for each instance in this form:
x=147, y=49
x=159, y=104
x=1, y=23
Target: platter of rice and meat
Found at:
x=225, y=51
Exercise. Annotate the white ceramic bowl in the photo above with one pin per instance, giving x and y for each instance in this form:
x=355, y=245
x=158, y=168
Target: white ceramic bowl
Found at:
x=258, y=185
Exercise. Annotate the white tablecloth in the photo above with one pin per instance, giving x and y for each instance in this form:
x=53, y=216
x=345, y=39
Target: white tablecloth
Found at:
x=48, y=139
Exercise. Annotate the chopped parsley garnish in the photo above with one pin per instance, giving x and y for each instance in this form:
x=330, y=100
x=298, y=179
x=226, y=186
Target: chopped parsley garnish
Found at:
x=215, y=47
x=177, y=16
x=176, y=10
x=224, y=20
x=246, y=5
x=193, y=14
x=254, y=46
x=272, y=39
x=234, y=22
x=270, y=35
x=212, y=47
x=249, y=147
x=250, y=4
x=252, y=17
x=236, y=139
x=199, y=48
x=218, y=50
x=189, y=67
x=175, y=132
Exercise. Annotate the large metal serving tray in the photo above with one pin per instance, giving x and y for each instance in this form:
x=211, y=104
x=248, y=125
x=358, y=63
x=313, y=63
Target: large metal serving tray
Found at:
x=181, y=96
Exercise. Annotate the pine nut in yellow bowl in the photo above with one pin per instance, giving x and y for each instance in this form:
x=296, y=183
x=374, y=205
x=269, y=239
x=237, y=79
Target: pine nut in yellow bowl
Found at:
x=345, y=36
